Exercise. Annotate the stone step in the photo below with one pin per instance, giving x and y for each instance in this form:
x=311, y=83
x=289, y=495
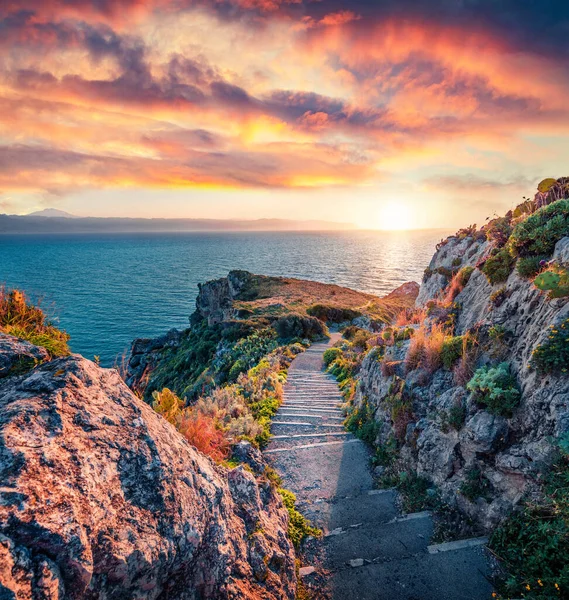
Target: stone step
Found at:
x=319, y=426
x=280, y=442
x=378, y=542
x=333, y=411
x=323, y=471
x=312, y=419
x=372, y=506
x=313, y=445
x=307, y=435
x=459, y=575
x=333, y=404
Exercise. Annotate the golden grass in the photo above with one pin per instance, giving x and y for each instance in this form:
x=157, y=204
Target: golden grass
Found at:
x=18, y=317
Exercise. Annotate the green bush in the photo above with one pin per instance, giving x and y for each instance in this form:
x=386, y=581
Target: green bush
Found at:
x=451, y=351
x=463, y=276
x=498, y=266
x=499, y=297
x=299, y=526
x=361, y=422
x=457, y=416
x=332, y=314
x=529, y=266
x=498, y=231
x=533, y=543
x=539, y=233
x=553, y=355
x=331, y=355
x=475, y=485
x=496, y=388
x=299, y=326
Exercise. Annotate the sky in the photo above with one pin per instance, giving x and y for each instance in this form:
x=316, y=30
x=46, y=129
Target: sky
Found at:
x=387, y=114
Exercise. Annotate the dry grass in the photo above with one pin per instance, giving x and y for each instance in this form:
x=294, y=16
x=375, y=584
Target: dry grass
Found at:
x=425, y=348
x=466, y=365
x=280, y=295
x=410, y=316
x=18, y=317
x=198, y=428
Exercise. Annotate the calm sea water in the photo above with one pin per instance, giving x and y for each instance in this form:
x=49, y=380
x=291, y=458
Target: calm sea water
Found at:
x=105, y=290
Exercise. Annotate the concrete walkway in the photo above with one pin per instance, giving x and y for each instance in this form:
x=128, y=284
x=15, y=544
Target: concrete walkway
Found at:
x=369, y=551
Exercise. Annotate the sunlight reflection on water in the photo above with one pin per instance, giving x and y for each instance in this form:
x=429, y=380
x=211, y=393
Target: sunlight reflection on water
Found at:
x=108, y=289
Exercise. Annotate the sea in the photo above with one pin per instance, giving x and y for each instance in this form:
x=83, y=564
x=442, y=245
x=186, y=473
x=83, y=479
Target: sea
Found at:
x=107, y=289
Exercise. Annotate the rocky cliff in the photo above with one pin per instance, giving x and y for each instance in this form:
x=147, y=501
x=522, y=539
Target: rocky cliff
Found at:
x=483, y=457
x=102, y=498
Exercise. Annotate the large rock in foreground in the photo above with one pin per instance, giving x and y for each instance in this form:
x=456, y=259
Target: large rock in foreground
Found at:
x=102, y=498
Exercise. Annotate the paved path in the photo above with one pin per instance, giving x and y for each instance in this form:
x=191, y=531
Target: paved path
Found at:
x=369, y=551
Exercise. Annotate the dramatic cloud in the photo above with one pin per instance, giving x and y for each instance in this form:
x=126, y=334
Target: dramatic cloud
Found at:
x=435, y=96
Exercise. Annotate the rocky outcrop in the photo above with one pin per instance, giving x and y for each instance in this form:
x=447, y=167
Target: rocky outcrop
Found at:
x=103, y=498
x=507, y=454
x=17, y=355
x=215, y=299
x=145, y=354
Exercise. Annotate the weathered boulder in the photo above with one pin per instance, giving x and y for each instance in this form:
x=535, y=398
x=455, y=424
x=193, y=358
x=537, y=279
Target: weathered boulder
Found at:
x=17, y=355
x=483, y=433
x=561, y=253
x=437, y=454
x=103, y=498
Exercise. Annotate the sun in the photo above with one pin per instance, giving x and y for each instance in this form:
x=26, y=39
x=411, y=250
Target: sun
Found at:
x=394, y=216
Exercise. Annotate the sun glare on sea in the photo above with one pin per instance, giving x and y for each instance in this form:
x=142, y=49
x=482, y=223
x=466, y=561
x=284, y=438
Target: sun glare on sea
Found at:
x=394, y=216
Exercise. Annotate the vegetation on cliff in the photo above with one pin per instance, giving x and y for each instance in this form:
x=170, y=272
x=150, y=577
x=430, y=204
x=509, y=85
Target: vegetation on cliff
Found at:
x=463, y=397
x=20, y=318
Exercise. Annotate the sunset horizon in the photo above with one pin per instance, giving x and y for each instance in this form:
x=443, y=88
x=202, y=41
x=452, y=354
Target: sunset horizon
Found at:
x=254, y=108
x=284, y=299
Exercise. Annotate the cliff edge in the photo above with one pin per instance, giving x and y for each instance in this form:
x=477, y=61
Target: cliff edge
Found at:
x=102, y=497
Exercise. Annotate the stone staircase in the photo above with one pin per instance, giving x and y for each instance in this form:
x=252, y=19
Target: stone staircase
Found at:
x=369, y=551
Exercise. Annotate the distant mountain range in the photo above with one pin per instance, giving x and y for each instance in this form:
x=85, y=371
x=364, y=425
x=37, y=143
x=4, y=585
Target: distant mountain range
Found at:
x=52, y=212
x=53, y=220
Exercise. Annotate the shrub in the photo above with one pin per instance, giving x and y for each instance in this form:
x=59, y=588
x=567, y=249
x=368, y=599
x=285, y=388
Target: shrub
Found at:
x=425, y=349
x=332, y=314
x=199, y=429
x=546, y=184
x=331, y=355
x=361, y=422
x=401, y=405
x=498, y=231
x=529, y=266
x=475, y=485
x=555, y=281
x=525, y=208
x=298, y=326
x=539, y=233
x=553, y=355
x=499, y=296
x=534, y=543
x=202, y=433
x=458, y=283
x=298, y=525
x=498, y=266
x=457, y=416
x=451, y=351
x=20, y=318
x=496, y=388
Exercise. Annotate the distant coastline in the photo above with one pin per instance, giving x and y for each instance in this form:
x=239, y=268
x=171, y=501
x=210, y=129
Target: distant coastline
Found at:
x=10, y=224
